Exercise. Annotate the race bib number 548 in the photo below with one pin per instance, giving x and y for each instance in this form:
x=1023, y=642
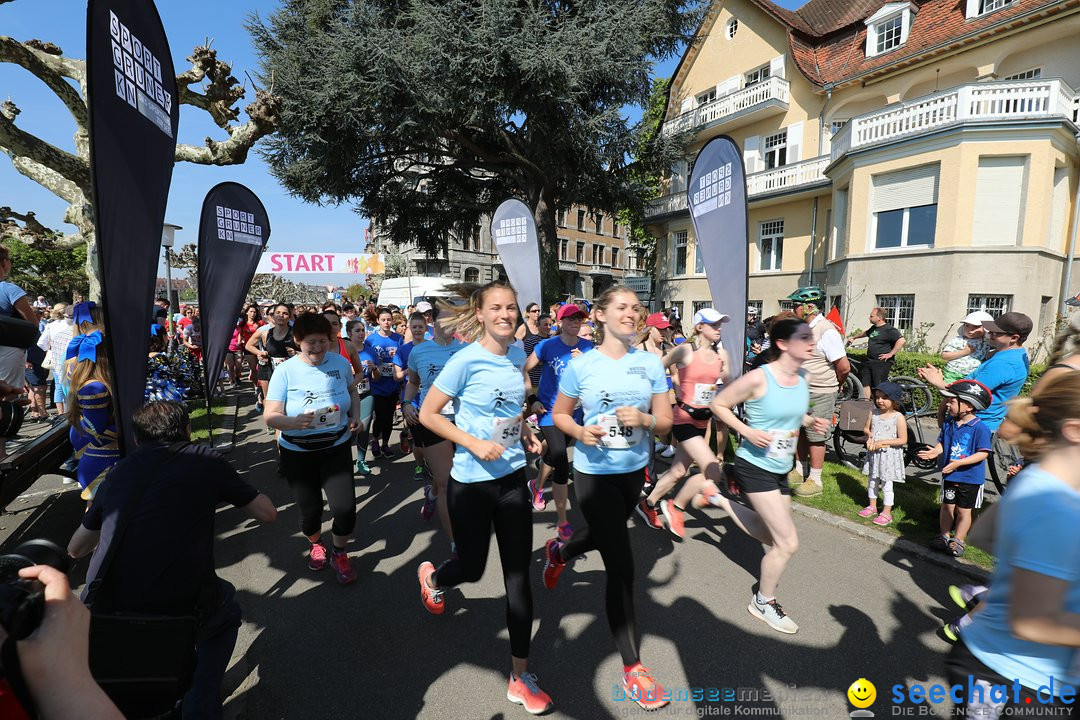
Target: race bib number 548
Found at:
x=506, y=431
x=616, y=436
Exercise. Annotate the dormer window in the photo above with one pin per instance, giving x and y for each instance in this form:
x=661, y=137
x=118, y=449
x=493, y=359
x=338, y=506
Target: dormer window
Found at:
x=888, y=28
x=978, y=8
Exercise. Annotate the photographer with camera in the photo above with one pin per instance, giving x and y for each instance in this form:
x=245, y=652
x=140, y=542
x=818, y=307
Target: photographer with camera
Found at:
x=53, y=660
x=153, y=526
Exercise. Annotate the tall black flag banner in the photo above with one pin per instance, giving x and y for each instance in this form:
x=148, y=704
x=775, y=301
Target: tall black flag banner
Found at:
x=134, y=116
x=514, y=232
x=233, y=229
x=717, y=197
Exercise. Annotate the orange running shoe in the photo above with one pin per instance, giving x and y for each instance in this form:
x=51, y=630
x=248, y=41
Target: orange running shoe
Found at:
x=553, y=563
x=432, y=598
x=675, y=520
x=642, y=689
x=525, y=690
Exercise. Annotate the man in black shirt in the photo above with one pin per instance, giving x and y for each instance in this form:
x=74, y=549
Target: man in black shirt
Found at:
x=755, y=332
x=883, y=342
x=164, y=564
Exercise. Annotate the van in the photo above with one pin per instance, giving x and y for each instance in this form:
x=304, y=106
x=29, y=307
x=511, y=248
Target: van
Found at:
x=406, y=291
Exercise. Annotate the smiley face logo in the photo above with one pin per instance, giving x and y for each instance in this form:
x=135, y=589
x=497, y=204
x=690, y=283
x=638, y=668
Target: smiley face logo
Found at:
x=862, y=693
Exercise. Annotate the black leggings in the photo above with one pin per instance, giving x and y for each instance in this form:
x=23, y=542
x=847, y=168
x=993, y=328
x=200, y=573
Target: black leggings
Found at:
x=606, y=501
x=555, y=457
x=311, y=472
x=474, y=508
x=383, y=422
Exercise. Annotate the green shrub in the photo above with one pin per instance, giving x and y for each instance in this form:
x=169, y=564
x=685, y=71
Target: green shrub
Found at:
x=908, y=363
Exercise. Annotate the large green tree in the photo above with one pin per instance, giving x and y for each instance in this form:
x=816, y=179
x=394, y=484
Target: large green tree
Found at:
x=59, y=275
x=428, y=113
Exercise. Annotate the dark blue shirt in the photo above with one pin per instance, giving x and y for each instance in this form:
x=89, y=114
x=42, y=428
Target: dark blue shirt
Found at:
x=961, y=441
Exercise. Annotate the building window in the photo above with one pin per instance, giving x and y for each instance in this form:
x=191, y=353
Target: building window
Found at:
x=678, y=253
x=699, y=263
x=836, y=302
x=706, y=97
x=614, y=257
x=1032, y=74
x=771, y=245
x=580, y=219
x=600, y=224
x=888, y=34
x=561, y=215
x=757, y=305
x=996, y=305
x=564, y=249
x=732, y=27
x=986, y=6
x=755, y=76
x=835, y=126
x=580, y=253
x=905, y=208
x=699, y=304
x=899, y=310
x=597, y=254
x=472, y=275
x=775, y=149
x=474, y=237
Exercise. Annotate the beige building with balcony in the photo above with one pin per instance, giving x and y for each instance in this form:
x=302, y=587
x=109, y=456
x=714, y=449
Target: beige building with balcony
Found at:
x=592, y=254
x=919, y=156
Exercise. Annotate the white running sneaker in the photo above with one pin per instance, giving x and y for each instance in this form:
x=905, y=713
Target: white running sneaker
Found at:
x=669, y=451
x=773, y=614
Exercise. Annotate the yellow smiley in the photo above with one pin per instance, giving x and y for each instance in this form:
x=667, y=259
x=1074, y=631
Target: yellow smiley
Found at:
x=862, y=693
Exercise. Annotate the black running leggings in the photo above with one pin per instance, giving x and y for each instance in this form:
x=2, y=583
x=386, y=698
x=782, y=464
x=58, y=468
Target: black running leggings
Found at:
x=312, y=472
x=383, y=423
x=555, y=457
x=607, y=501
x=474, y=508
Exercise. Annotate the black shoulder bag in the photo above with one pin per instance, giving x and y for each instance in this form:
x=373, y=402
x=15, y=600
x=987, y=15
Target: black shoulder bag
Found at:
x=144, y=663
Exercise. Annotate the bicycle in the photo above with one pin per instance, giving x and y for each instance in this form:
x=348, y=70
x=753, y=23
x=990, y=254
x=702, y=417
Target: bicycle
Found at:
x=1003, y=456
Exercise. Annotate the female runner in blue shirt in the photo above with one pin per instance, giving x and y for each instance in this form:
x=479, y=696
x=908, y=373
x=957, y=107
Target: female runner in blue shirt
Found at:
x=487, y=482
x=624, y=399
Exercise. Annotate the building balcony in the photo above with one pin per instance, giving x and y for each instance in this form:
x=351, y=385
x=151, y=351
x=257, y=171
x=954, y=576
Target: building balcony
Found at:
x=786, y=178
x=765, y=98
x=568, y=265
x=601, y=270
x=978, y=102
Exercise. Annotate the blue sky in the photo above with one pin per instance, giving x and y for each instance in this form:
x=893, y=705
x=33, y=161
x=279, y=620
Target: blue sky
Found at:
x=296, y=225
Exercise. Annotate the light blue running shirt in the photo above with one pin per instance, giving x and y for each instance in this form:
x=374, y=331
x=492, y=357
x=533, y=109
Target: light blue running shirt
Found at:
x=488, y=392
x=302, y=387
x=601, y=384
x=780, y=413
x=427, y=360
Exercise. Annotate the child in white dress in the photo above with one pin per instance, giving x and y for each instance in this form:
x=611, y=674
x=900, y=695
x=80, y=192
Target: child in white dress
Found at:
x=886, y=438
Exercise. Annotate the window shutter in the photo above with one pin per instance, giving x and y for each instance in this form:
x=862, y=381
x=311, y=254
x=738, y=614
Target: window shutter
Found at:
x=678, y=178
x=794, y=142
x=839, y=217
x=906, y=188
x=1056, y=241
x=687, y=105
x=732, y=84
x=999, y=201
x=750, y=154
x=776, y=66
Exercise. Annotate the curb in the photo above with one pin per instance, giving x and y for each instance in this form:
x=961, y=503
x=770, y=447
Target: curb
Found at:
x=897, y=543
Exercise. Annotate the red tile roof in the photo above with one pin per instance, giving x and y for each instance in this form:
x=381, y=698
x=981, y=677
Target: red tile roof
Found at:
x=828, y=37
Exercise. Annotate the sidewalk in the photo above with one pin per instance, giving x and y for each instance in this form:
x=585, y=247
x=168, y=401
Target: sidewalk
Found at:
x=310, y=648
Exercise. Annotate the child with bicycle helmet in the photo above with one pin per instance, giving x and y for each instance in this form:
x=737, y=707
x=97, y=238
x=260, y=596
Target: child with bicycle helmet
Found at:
x=963, y=446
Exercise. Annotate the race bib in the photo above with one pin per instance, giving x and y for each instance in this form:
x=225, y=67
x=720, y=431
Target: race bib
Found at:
x=275, y=361
x=364, y=386
x=327, y=417
x=506, y=431
x=616, y=436
x=703, y=394
x=783, y=445
x=386, y=369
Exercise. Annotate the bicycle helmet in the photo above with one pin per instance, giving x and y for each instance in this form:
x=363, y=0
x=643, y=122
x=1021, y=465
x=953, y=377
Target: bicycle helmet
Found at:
x=809, y=294
x=972, y=392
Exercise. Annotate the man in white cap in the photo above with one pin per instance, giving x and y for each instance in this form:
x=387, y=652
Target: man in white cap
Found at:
x=429, y=316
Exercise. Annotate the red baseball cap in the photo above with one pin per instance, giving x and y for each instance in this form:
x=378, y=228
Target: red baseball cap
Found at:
x=570, y=310
x=658, y=321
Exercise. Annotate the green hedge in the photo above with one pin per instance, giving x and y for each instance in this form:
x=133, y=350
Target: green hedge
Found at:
x=908, y=363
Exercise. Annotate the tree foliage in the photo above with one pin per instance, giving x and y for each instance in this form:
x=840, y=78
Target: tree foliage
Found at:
x=650, y=167
x=59, y=275
x=428, y=113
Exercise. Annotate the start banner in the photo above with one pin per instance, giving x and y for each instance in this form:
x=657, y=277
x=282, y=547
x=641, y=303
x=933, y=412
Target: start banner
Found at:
x=307, y=263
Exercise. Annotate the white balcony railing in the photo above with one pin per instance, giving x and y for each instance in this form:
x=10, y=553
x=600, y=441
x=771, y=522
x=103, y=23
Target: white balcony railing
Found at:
x=787, y=177
x=1025, y=100
x=766, y=182
x=773, y=89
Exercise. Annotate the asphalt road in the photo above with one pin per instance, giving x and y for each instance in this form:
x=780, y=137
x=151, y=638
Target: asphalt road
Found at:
x=310, y=648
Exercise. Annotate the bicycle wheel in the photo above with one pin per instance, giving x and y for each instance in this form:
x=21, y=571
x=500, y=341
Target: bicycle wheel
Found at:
x=850, y=447
x=1001, y=459
x=850, y=390
x=918, y=399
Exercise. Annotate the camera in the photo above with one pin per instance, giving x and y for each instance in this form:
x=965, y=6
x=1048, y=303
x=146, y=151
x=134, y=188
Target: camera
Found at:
x=22, y=602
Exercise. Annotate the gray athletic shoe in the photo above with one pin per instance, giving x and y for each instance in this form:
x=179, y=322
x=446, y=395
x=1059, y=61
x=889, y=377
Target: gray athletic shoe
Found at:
x=773, y=614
